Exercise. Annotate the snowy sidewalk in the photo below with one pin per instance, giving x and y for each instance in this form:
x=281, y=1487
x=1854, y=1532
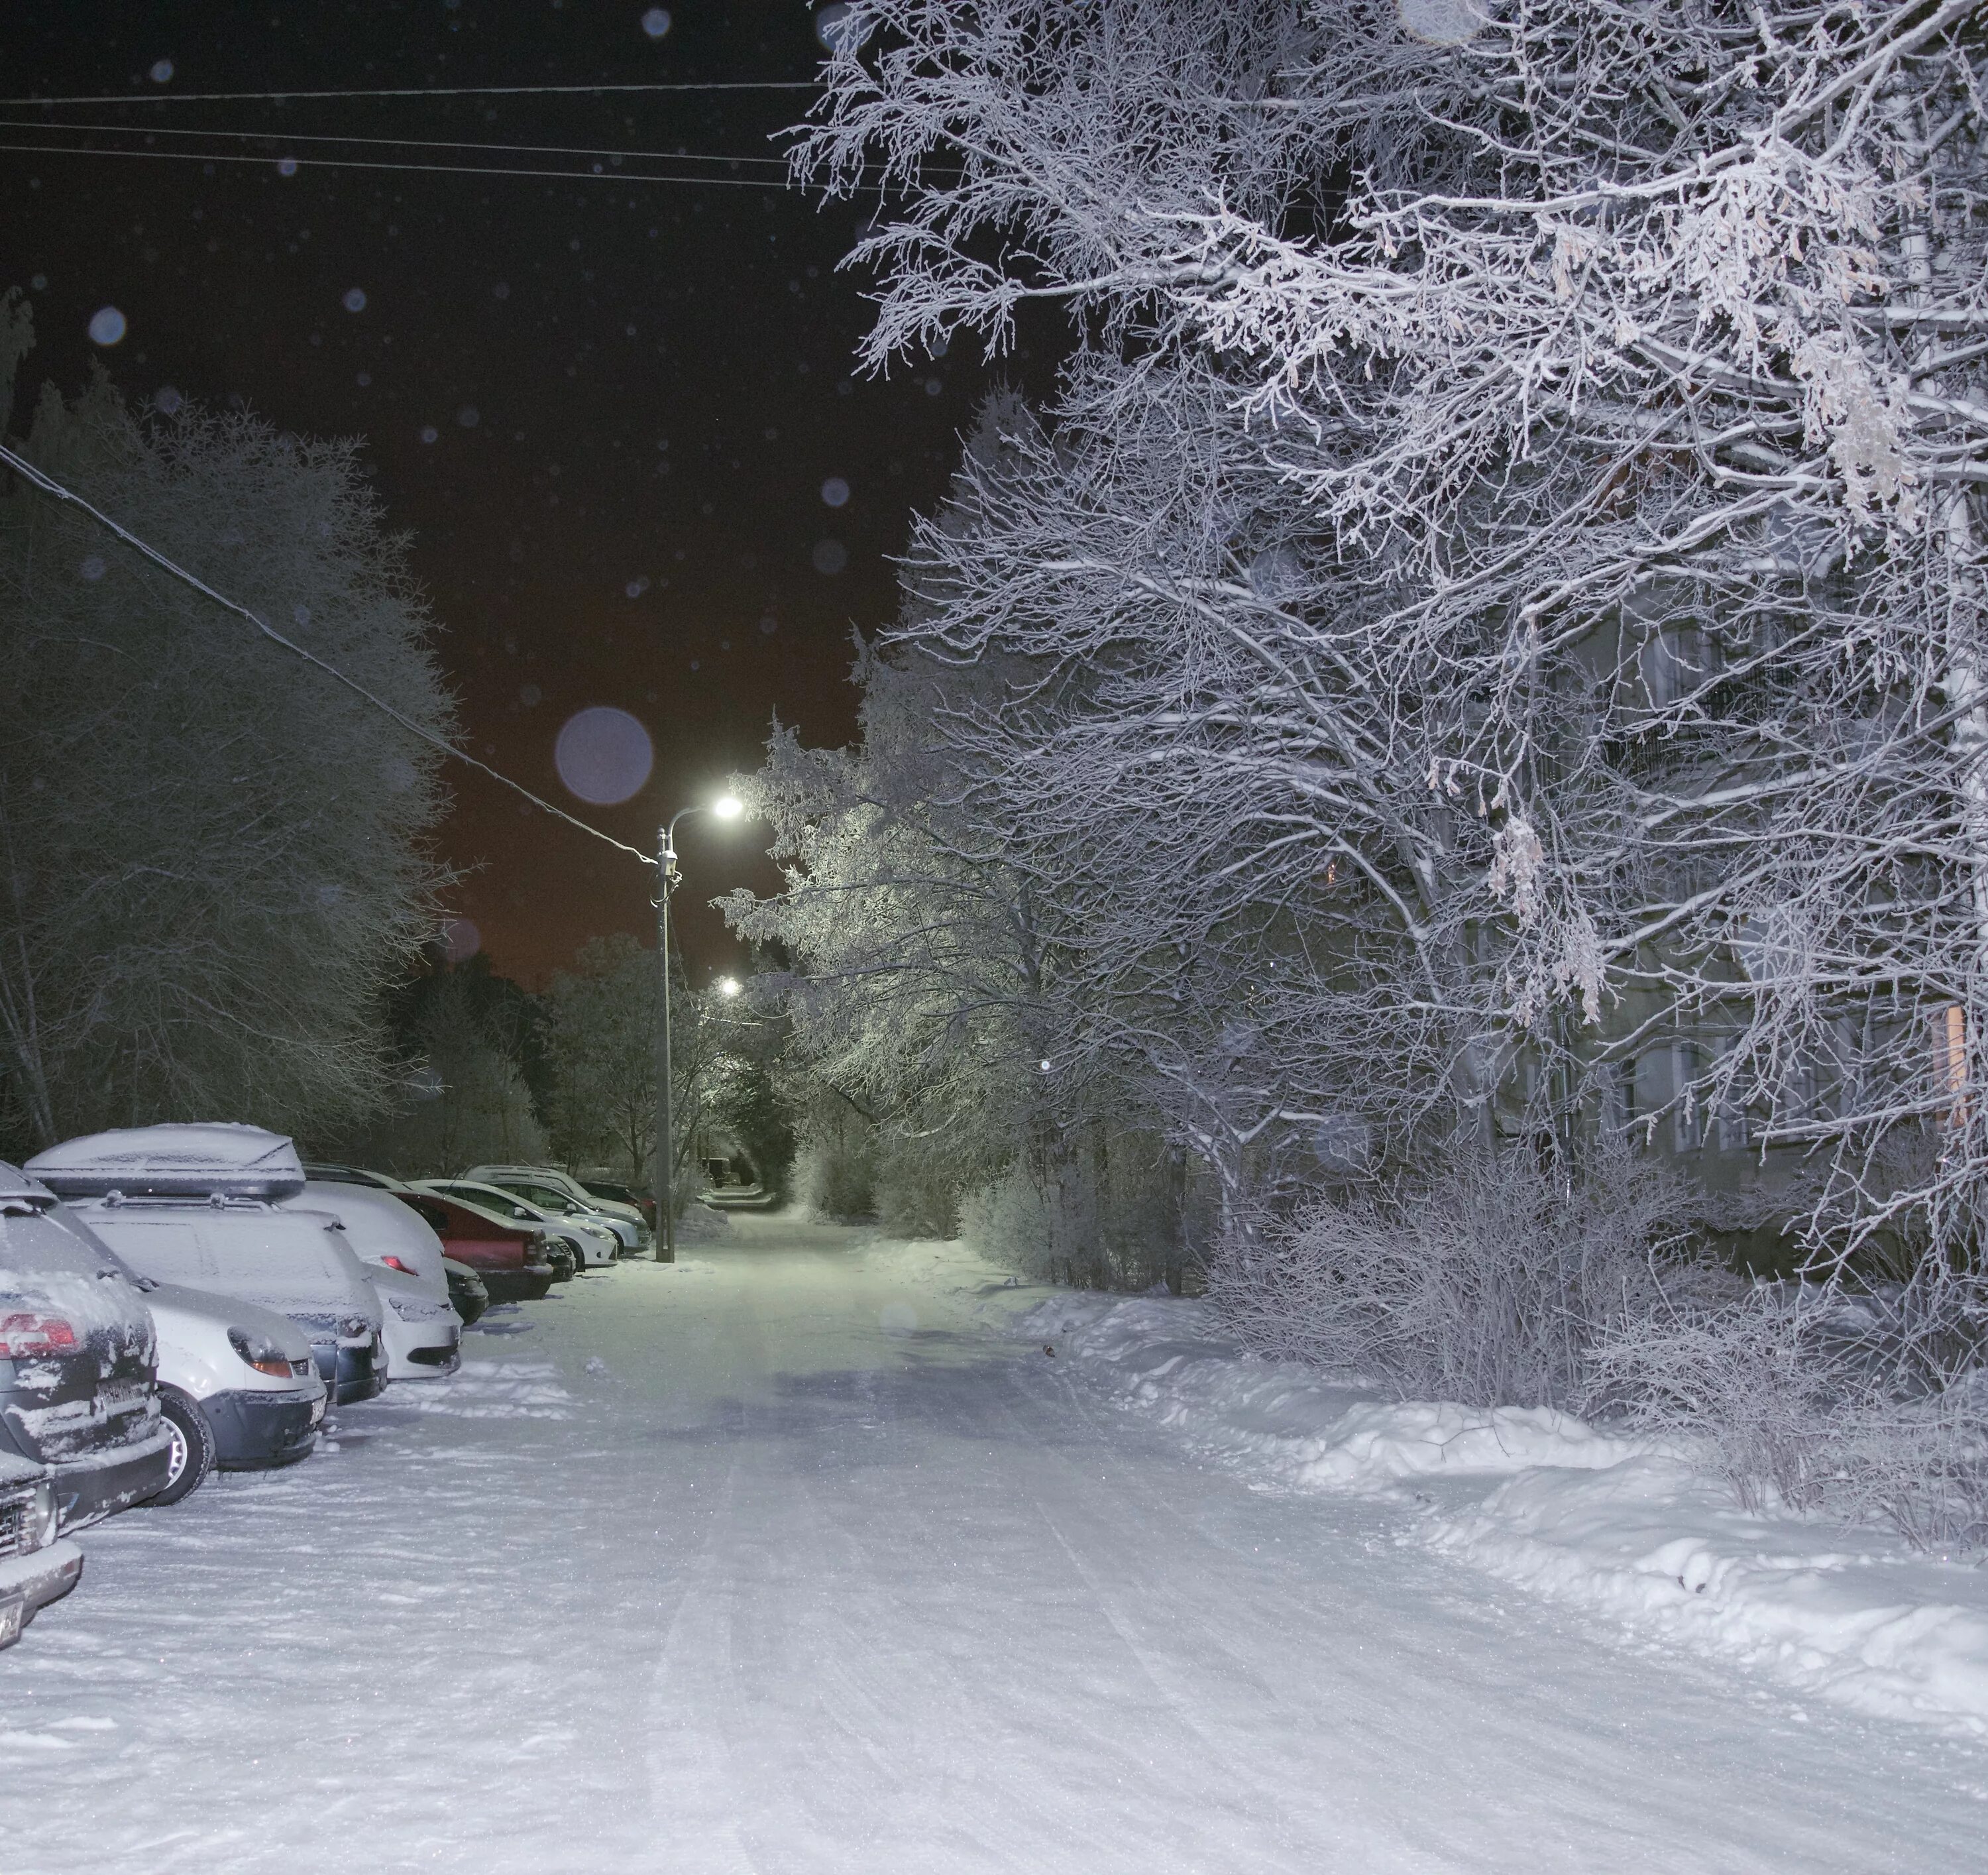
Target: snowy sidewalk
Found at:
x=795, y=1559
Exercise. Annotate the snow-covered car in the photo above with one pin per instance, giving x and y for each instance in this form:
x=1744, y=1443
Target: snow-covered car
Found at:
x=236, y=1382
x=554, y=1189
x=38, y=1565
x=406, y=1267
x=381, y=1228
x=77, y=1354
x=240, y=1375
x=466, y=1290
x=595, y=1244
x=200, y=1207
x=421, y=1331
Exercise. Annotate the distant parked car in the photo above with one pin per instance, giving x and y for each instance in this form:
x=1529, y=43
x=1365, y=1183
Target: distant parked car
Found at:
x=77, y=1360
x=199, y=1207
x=548, y=1186
x=509, y=1258
x=37, y=1565
x=616, y=1192
x=593, y=1242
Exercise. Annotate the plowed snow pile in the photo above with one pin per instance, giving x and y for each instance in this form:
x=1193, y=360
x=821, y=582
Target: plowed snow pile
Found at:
x=1622, y=1527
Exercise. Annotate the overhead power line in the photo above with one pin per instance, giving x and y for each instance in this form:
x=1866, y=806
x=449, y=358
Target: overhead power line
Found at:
x=401, y=143
x=49, y=486
x=414, y=91
x=595, y=174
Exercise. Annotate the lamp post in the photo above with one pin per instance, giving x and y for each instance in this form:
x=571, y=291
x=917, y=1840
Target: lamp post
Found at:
x=727, y=807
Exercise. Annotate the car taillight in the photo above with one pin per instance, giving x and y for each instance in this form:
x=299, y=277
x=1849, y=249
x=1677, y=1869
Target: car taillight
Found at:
x=24, y=1333
x=394, y=1262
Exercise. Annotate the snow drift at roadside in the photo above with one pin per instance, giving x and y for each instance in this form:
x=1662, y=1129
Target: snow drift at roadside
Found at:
x=1623, y=1527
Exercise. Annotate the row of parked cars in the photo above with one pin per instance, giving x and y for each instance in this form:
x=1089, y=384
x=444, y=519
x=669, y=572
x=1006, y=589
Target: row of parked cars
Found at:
x=175, y=1299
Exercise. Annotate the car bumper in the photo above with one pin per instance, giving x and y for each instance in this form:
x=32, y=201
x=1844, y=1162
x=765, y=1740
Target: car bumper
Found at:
x=88, y=1492
x=529, y=1284
x=255, y=1431
x=28, y=1584
x=351, y=1374
x=469, y=1304
x=422, y=1350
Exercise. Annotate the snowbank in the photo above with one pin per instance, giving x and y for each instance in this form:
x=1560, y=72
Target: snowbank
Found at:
x=1851, y=1617
x=1624, y=1529
x=1305, y=1430
x=700, y=1224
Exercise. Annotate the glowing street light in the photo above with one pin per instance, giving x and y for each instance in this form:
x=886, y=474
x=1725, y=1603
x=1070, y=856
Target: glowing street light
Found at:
x=725, y=807
x=728, y=987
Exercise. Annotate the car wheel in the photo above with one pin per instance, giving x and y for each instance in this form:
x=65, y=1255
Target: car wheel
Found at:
x=192, y=1447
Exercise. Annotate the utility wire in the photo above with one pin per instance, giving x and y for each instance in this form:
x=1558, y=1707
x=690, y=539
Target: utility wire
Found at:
x=403, y=142
x=48, y=484
x=596, y=174
x=414, y=91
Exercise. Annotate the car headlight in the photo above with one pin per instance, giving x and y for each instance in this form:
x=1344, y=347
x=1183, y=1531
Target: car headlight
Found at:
x=262, y=1353
x=44, y=1518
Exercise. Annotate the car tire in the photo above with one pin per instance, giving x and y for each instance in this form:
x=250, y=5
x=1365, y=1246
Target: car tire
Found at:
x=192, y=1447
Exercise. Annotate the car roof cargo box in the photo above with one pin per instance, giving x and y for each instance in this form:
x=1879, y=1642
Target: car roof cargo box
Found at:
x=17, y=1189
x=213, y=1159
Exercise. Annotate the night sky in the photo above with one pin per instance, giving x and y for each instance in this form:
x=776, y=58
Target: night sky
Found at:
x=605, y=409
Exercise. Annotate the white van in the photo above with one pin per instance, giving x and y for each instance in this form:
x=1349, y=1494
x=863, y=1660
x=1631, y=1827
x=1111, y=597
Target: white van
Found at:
x=195, y=1206
x=293, y=1263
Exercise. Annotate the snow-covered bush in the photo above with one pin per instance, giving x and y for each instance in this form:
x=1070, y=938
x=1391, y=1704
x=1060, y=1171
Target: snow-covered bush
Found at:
x=1867, y=1408
x=835, y=1176
x=1008, y=1221
x=918, y=1188
x=465, y=1098
x=1487, y=1283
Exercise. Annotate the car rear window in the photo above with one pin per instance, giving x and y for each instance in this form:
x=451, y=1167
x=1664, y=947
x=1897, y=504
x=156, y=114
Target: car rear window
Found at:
x=434, y=1216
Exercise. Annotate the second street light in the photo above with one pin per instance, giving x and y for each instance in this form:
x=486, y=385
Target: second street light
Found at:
x=726, y=807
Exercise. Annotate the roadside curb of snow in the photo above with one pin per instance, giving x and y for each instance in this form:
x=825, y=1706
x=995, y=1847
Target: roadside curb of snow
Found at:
x=1624, y=1528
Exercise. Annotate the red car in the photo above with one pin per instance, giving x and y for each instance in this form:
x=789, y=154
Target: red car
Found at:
x=511, y=1262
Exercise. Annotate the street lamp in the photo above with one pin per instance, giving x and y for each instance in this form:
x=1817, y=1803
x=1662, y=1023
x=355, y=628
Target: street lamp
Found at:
x=726, y=807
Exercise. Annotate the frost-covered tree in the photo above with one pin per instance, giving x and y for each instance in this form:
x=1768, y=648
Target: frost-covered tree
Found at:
x=1511, y=533
x=460, y=1098
x=917, y=993
x=212, y=859
x=600, y=1044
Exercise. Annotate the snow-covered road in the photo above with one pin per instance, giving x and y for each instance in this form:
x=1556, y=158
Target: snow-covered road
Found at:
x=787, y=1559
